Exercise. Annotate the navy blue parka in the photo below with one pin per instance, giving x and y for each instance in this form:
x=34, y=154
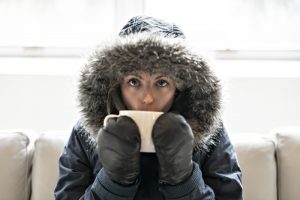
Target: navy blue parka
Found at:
x=215, y=176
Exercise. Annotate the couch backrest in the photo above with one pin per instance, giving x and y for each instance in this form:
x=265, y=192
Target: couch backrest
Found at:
x=256, y=155
x=48, y=148
x=288, y=160
x=15, y=163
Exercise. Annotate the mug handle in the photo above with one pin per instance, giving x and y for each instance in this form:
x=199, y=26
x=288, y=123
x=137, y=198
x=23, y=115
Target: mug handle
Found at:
x=108, y=117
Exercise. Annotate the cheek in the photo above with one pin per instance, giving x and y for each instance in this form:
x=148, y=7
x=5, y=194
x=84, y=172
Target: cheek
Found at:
x=130, y=98
x=166, y=100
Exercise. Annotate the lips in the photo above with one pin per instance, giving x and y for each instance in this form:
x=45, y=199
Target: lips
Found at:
x=148, y=109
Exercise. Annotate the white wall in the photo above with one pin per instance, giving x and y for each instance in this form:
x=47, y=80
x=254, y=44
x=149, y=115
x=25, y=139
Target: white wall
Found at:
x=261, y=104
x=38, y=102
x=47, y=101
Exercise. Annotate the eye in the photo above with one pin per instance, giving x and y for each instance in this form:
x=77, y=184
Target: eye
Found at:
x=162, y=83
x=134, y=82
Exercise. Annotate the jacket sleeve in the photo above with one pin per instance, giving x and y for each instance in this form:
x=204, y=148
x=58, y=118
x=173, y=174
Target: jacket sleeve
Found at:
x=217, y=177
x=76, y=179
x=222, y=171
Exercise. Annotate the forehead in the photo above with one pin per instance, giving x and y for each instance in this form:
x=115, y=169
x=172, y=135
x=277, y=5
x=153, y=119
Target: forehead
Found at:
x=142, y=74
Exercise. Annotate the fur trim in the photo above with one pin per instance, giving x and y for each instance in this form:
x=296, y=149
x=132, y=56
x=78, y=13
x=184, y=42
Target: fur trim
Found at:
x=199, y=99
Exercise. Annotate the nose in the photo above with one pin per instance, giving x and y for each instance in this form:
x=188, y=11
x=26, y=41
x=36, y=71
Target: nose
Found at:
x=148, y=98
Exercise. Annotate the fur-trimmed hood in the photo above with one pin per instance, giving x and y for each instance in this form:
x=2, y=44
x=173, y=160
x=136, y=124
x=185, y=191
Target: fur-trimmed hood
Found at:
x=199, y=92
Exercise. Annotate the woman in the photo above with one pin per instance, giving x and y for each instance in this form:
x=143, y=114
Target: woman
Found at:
x=149, y=68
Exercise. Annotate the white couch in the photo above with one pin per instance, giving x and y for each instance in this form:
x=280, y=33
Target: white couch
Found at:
x=270, y=164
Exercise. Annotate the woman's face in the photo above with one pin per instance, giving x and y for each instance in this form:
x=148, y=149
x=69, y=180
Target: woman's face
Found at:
x=143, y=91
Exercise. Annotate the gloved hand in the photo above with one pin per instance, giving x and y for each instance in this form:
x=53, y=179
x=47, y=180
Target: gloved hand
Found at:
x=173, y=140
x=119, y=145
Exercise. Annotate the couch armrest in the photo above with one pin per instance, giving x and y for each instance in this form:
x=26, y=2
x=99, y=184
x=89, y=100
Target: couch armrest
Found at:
x=15, y=165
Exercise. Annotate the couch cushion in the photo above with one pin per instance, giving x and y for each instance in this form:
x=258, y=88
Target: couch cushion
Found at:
x=15, y=163
x=256, y=155
x=48, y=148
x=288, y=160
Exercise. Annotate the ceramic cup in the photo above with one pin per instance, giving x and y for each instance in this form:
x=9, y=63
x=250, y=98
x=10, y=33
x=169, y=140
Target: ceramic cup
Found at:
x=145, y=121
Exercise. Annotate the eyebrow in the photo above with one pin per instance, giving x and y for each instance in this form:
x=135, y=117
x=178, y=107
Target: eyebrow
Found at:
x=136, y=75
x=162, y=76
x=140, y=77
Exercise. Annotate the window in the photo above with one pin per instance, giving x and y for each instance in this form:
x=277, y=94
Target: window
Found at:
x=230, y=28
x=55, y=23
x=234, y=24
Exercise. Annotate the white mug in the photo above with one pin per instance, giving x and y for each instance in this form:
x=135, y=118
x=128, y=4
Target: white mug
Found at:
x=145, y=121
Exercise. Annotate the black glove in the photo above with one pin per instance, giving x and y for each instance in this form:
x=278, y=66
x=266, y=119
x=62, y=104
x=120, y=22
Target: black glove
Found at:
x=119, y=145
x=173, y=140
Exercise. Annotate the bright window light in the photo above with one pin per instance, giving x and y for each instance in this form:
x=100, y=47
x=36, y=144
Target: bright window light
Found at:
x=233, y=24
x=232, y=29
x=55, y=23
